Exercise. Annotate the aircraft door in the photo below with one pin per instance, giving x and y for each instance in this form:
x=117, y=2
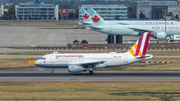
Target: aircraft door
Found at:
x=81, y=60
x=52, y=59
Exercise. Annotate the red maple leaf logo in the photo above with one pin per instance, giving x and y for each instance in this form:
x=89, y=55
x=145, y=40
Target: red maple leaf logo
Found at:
x=85, y=16
x=95, y=19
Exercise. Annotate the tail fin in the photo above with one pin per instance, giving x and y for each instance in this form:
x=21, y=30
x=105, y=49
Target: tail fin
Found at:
x=140, y=47
x=85, y=15
x=96, y=18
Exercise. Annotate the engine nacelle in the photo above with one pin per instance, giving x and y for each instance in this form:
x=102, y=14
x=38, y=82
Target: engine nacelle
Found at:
x=100, y=66
x=160, y=35
x=76, y=68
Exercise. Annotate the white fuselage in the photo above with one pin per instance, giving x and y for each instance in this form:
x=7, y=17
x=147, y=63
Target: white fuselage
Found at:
x=126, y=29
x=136, y=22
x=110, y=59
x=144, y=22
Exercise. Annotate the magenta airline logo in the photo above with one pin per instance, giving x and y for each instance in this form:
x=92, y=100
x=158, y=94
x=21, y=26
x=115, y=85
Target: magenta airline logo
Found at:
x=68, y=56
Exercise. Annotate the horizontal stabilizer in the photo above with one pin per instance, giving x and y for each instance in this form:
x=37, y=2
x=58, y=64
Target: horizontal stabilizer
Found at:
x=86, y=23
x=96, y=28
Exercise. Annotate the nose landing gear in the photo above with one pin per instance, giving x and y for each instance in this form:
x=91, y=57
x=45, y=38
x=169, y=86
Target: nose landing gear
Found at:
x=52, y=73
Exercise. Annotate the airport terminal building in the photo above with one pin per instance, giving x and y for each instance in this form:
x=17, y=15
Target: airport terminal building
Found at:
x=109, y=12
x=148, y=8
x=36, y=11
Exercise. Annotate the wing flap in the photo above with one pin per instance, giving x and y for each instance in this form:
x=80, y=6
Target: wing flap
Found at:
x=140, y=30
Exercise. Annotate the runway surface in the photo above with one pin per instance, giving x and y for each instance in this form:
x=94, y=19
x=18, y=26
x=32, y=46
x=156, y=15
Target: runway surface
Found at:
x=38, y=74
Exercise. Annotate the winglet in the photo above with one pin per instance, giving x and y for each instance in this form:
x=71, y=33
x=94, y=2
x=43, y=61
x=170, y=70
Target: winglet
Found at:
x=140, y=47
x=96, y=18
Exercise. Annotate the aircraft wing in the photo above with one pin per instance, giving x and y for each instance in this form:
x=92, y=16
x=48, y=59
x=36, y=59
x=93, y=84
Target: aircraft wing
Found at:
x=89, y=63
x=141, y=30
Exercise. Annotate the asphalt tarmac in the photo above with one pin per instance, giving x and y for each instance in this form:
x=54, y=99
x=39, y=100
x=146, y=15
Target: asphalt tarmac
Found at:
x=38, y=74
x=28, y=36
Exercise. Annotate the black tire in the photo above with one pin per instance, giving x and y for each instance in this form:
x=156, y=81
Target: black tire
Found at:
x=52, y=73
x=91, y=72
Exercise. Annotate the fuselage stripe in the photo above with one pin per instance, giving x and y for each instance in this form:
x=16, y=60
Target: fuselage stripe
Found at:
x=132, y=52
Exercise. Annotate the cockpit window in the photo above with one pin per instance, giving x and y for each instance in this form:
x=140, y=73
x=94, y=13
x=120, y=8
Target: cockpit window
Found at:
x=42, y=58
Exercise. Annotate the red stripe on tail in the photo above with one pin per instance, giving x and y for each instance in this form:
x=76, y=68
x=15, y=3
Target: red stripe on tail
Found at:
x=139, y=45
x=146, y=44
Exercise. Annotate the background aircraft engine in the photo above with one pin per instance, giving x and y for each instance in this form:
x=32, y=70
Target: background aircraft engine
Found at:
x=160, y=35
x=76, y=68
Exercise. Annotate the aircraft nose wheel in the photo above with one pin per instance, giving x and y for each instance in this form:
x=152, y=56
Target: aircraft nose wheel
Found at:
x=52, y=73
x=91, y=72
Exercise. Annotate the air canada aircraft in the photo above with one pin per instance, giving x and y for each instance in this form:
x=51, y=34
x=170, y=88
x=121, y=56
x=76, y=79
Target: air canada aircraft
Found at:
x=87, y=20
x=157, y=31
x=81, y=62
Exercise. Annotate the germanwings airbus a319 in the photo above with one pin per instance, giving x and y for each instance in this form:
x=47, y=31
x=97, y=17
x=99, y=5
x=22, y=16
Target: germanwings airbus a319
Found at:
x=81, y=62
x=158, y=31
x=87, y=20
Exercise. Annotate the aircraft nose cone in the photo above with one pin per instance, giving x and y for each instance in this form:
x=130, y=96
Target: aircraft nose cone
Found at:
x=36, y=63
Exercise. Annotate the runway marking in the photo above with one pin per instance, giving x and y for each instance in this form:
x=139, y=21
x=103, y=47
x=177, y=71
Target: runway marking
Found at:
x=40, y=69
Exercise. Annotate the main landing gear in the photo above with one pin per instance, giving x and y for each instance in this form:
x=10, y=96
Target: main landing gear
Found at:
x=91, y=72
x=52, y=73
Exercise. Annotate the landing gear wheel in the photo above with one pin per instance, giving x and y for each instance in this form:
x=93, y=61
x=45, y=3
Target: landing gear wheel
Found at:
x=52, y=73
x=91, y=72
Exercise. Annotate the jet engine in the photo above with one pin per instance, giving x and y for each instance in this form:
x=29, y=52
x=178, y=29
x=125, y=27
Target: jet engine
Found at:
x=160, y=35
x=76, y=68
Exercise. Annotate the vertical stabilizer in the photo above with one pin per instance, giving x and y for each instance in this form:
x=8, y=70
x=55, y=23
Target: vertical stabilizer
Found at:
x=85, y=15
x=96, y=18
x=140, y=47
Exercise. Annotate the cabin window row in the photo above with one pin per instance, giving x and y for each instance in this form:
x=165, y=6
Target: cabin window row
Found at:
x=86, y=58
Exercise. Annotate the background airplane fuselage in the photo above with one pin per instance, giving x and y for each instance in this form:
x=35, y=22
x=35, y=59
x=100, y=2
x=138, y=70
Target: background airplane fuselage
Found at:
x=134, y=22
x=125, y=29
